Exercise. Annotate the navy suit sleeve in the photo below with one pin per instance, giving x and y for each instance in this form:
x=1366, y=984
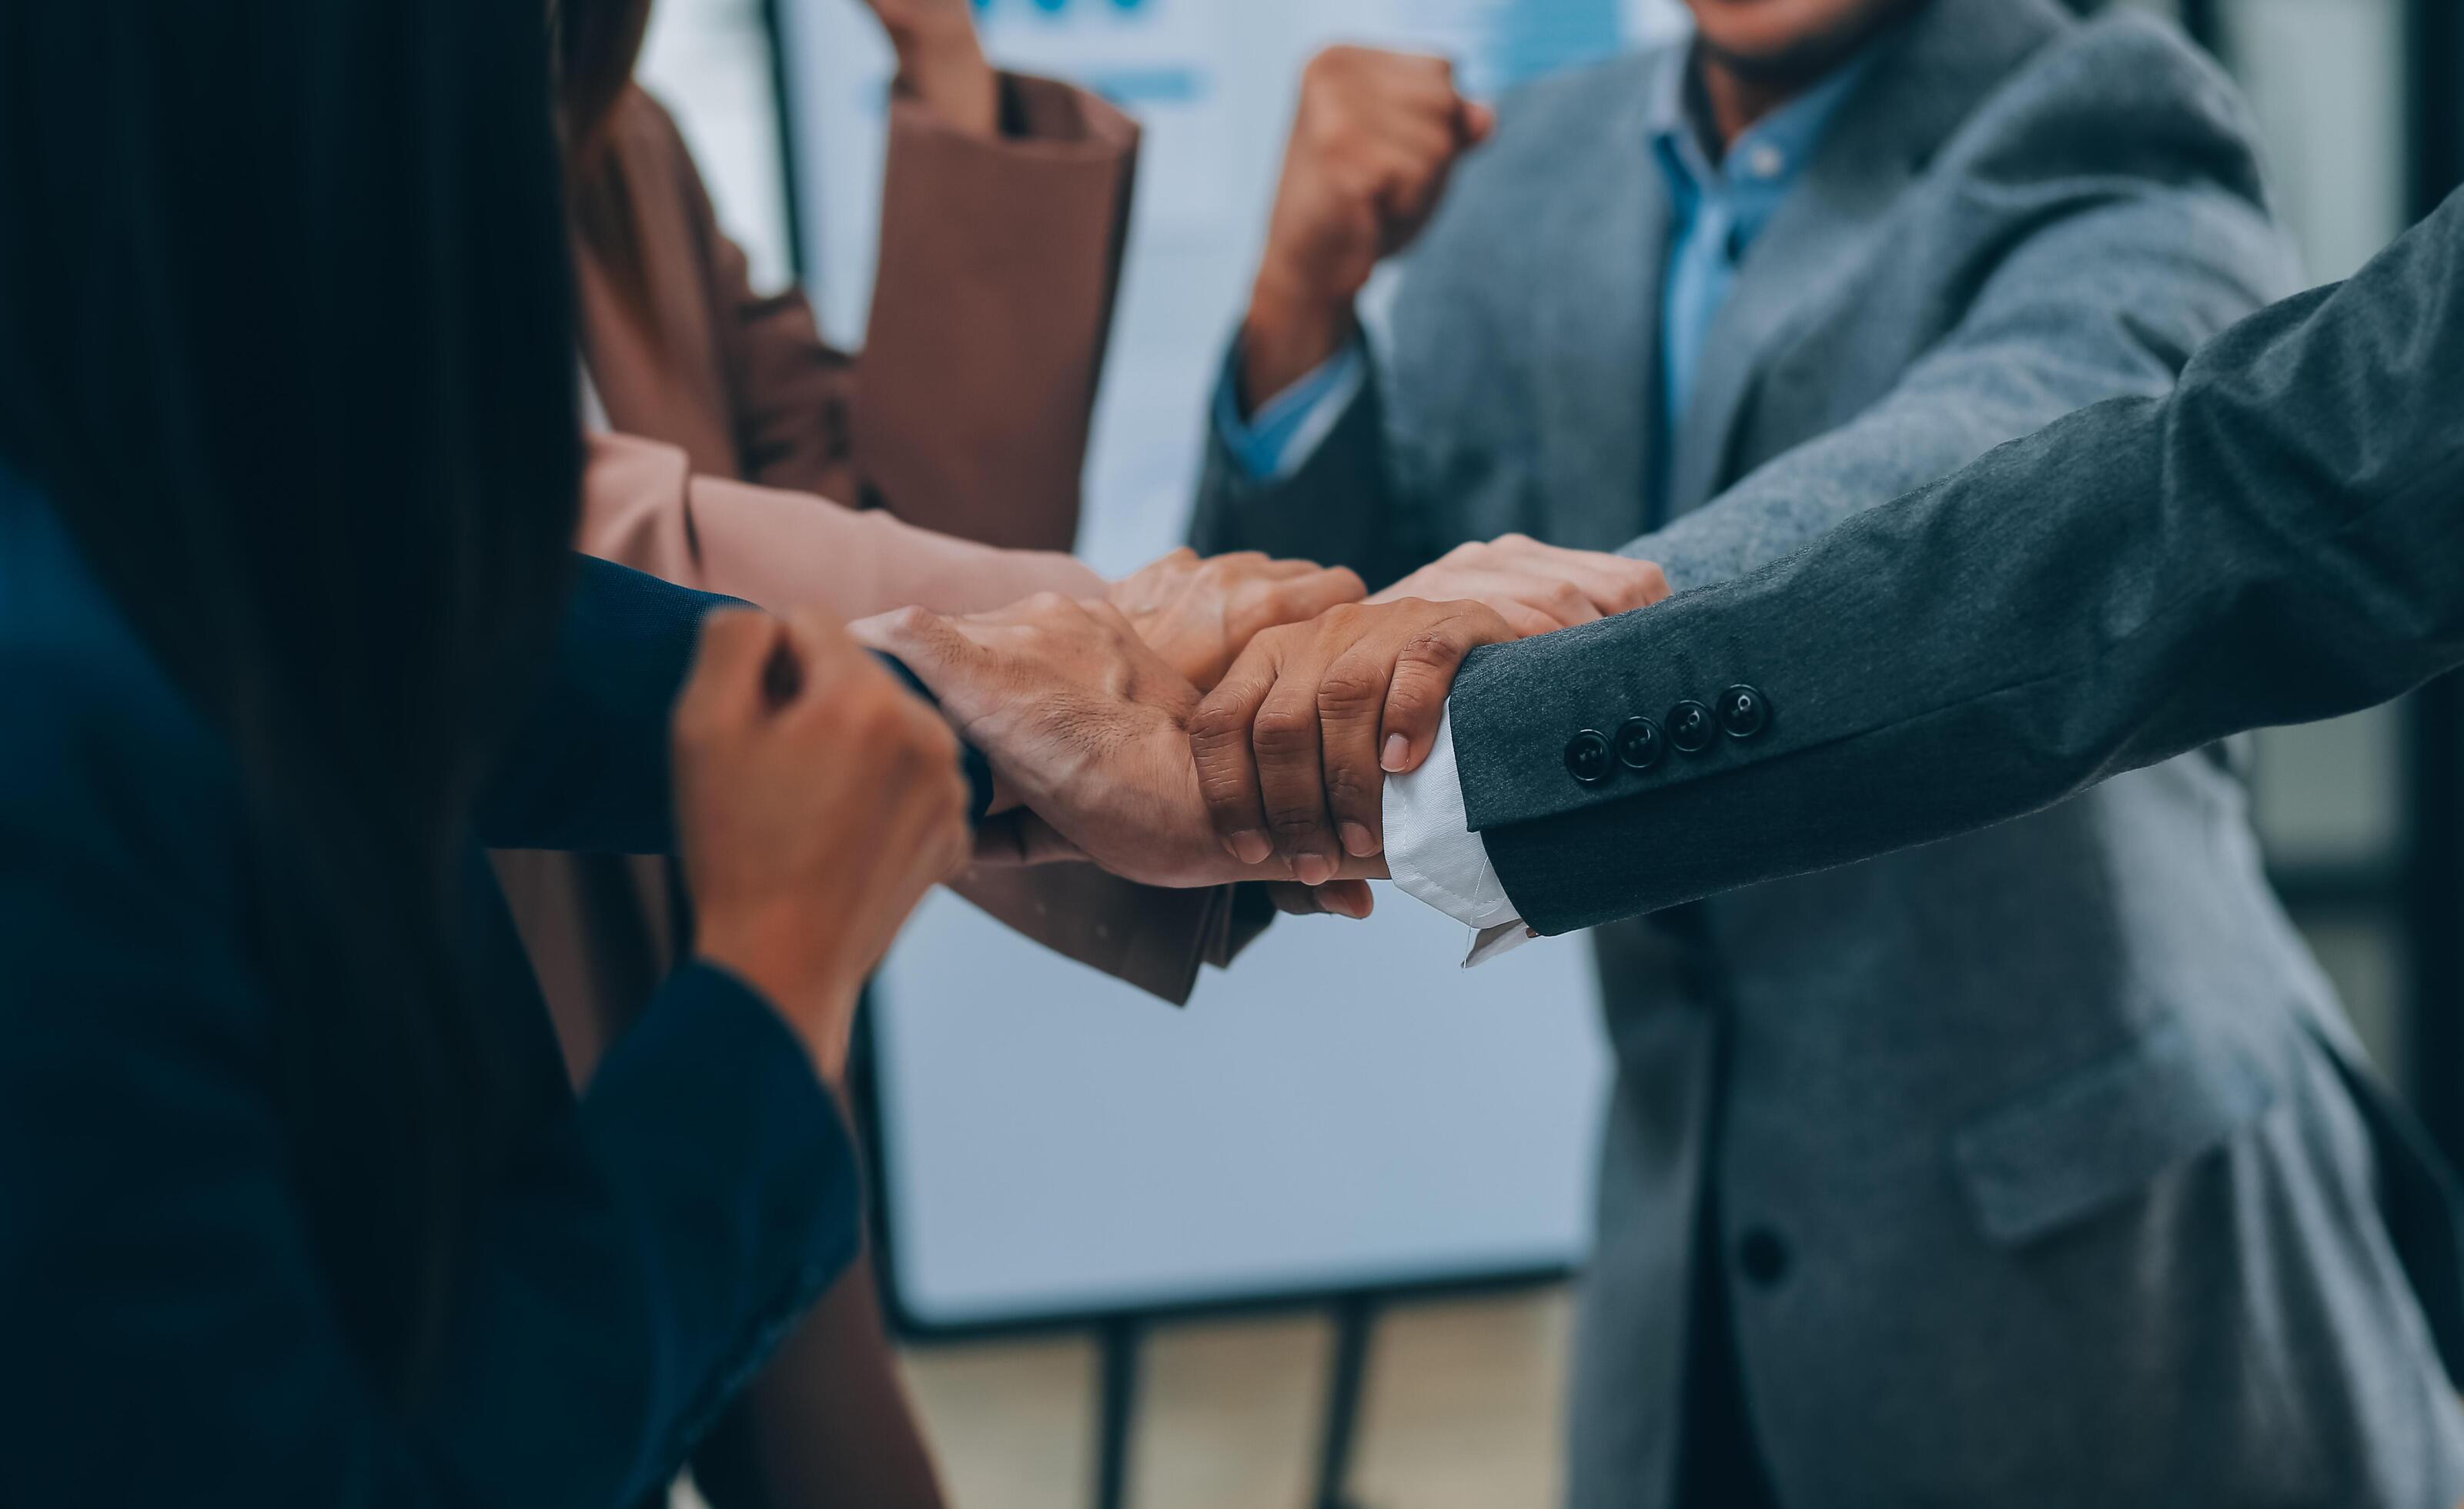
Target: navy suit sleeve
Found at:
x=587, y=767
x=170, y=1337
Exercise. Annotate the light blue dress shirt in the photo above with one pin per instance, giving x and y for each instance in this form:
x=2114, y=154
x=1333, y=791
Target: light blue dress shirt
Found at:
x=1715, y=214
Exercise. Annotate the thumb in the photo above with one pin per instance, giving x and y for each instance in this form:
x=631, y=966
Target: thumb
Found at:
x=1475, y=123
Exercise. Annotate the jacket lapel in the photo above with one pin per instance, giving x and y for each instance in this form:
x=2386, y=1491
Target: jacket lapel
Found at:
x=1947, y=60
x=1596, y=324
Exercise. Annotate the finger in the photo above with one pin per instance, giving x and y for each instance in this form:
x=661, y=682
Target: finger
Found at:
x=1524, y=620
x=729, y=667
x=1218, y=740
x=1286, y=738
x=1424, y=674
x=1299, y=599
x=1613, y=584
x=933, y=647
x=1350, y=899
x=1351, y=710
x=1475, y=123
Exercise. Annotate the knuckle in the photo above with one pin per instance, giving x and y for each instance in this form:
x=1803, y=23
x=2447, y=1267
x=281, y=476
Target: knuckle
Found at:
x=1283, y=729
x=1348, y=691
x=1292, y=822
x=1434, y=644
x=1218, y=725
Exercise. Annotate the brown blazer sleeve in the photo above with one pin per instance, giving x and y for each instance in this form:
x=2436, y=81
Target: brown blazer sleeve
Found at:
x=968, y=411
x=643, y=508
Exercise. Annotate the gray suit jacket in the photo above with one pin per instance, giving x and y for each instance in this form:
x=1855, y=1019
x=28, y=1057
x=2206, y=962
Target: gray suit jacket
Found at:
x=2039, y=1157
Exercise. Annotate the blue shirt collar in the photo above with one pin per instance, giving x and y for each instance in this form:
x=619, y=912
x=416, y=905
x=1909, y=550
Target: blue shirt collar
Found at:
x=1762, y=164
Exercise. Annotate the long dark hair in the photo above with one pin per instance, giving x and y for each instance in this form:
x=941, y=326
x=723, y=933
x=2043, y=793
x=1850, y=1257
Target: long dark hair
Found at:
x=286, y=336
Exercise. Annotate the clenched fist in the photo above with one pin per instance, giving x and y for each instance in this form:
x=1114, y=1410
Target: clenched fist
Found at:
x=1372, y=141
x=817, y=799
x=940, y=63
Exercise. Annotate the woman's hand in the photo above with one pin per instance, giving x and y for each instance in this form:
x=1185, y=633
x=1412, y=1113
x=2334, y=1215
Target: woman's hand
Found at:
x=817, y=801
x=1294, y=747
x=1085, y=726
x=1199, y=613
x=941, y=63
x=1535, y=587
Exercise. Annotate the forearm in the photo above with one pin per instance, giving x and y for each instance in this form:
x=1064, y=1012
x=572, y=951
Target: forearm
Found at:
x=642, y=508
x=2103, y=303
x=999, y=259
x=2276, y=542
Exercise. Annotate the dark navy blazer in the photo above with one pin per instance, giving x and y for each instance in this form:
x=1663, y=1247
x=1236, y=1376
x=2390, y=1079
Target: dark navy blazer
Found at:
x=166, y=1334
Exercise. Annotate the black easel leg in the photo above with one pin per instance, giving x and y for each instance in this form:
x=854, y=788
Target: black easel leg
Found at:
x=1117, y=1411
x=1356, y=1323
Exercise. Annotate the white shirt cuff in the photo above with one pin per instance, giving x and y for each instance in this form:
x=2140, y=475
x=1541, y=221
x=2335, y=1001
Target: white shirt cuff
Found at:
x=1436, y=859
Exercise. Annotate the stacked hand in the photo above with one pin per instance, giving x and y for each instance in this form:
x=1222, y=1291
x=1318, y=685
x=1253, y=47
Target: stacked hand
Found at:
x=1105, y=750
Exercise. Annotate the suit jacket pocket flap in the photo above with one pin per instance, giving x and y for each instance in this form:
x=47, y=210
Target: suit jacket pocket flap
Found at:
x=2097, y=1135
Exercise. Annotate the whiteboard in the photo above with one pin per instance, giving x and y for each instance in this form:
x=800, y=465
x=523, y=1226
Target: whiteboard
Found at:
x=1346, y=1108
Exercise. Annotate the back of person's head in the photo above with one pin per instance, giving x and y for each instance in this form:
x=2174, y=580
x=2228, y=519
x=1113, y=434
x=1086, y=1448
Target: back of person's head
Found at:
x=285, y=338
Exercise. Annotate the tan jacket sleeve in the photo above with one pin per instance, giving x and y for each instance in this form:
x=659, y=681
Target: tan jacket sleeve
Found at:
x=643, y=508
x=968, y=411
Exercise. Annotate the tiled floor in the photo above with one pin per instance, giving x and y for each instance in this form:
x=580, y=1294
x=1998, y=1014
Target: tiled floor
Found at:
x=1462, y=1412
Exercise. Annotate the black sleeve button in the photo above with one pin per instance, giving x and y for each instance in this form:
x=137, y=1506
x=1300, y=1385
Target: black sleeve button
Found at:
x=1690, y=727
x=1588, y=758
x=1639, y=743
x=1743, y=712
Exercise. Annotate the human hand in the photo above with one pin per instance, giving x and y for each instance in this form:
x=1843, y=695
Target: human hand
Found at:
x=1535, y=587
x=1199, y=613
x=817, y=799
x=1373, y=140
x=941, y=61
x=1085, y=726
x=1294, y=747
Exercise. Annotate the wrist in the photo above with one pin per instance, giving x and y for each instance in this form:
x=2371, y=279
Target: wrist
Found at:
x=819, y=1010
x=1290, y=331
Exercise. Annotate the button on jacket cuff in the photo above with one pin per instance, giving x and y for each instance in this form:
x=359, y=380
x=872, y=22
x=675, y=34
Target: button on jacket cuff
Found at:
x=1276, y=441
x=1436, y=859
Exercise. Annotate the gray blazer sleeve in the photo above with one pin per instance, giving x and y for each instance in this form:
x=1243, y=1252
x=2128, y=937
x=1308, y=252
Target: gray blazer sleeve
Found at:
x=2280, y=540
x=2109, y=299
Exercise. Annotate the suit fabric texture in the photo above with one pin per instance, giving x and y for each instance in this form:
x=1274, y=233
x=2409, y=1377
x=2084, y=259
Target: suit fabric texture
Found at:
x=172, y=1336
x=2034, y=1161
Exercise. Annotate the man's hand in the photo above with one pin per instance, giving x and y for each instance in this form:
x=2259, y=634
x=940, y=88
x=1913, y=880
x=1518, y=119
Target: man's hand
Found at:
x=1199, y=614
x=1293, y=748
x=1535, y=587
x=1375, y=137
x=1085, y=726
x=941, y=63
